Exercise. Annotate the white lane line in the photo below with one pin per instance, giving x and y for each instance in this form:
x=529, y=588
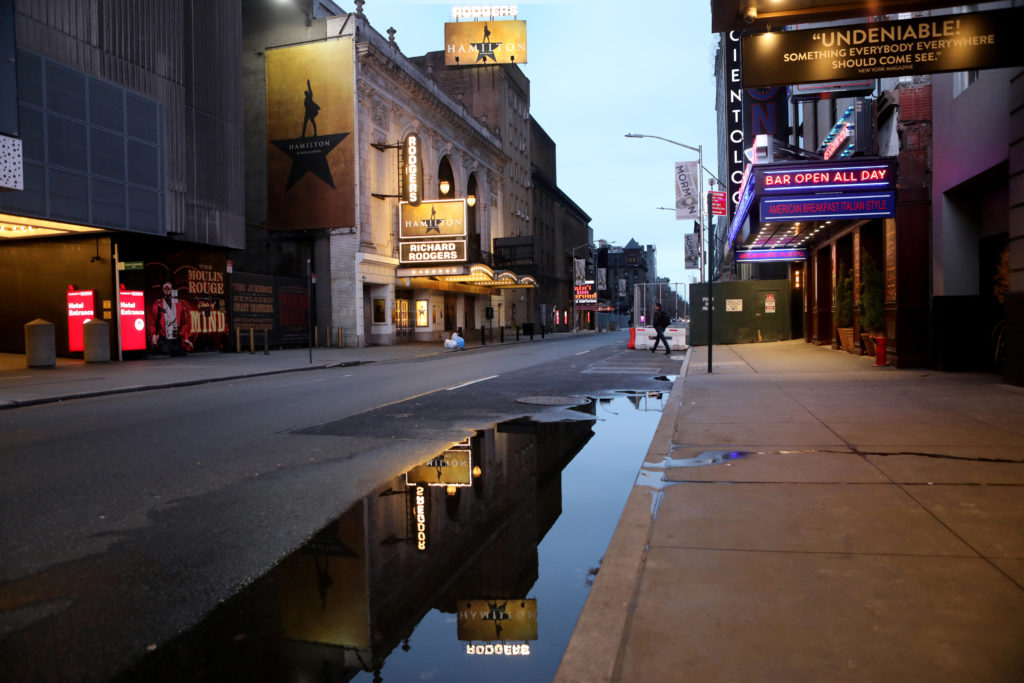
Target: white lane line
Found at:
x=466, y=384
x=583, y=352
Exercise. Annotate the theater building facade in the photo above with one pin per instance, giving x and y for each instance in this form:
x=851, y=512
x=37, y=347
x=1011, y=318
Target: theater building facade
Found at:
x=369, y=171
x=897, y=176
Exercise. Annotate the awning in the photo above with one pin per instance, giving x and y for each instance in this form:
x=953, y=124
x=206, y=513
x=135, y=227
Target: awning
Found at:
x=15, y=227
x=476, y=274
x=786, y=205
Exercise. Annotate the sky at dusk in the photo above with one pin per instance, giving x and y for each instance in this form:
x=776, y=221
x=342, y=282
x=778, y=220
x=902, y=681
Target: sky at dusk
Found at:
x=598, y=70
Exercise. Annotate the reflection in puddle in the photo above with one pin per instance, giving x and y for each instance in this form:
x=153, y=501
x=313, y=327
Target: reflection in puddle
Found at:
x=471, y=566
x=652, y=474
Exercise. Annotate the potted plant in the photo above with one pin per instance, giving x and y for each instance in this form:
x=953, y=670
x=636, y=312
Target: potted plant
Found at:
x=843, y=313
x=872, y=299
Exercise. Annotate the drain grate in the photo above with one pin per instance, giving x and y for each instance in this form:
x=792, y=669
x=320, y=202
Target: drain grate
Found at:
x=553, y=400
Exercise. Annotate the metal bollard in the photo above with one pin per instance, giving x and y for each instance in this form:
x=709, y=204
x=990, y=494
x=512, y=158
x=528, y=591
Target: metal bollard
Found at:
x=266, y=342
x=238, y=340
x=542, y=330
x=517, y=332
x=340, y=345
x=501, y=334
x=316, y=336
x=483, y=336
x=252, y=340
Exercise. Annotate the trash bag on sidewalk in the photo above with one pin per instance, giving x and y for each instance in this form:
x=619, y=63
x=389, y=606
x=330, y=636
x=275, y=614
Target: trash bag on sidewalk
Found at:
x=455, y=342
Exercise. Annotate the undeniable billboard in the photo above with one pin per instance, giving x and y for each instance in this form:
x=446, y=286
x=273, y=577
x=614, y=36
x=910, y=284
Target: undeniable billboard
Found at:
x=310, y=120
x=953, y=42
x=480, y=43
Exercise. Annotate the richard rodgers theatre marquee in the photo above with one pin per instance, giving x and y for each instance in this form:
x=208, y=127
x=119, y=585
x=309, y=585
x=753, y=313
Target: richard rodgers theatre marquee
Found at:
x=433, y=232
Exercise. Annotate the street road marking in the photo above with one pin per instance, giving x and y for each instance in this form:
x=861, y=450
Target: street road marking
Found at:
x=583, y=352
x=466, y=384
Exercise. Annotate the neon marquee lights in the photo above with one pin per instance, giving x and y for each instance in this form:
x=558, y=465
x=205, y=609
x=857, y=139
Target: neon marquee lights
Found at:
x=771, y=255
x=837, y=177
x=864, y=205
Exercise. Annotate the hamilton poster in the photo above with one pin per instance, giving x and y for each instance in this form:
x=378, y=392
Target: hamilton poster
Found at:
x=310, y=126
x=483, y=43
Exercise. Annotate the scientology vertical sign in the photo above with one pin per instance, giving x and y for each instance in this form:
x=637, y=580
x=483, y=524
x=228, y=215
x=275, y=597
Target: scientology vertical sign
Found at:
x=952, y=42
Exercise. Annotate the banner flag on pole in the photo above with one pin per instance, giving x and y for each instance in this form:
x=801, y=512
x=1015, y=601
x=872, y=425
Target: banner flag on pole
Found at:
x=691, y=245
x=687, y=194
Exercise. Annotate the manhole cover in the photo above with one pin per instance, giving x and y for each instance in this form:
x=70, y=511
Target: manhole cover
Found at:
x=553, y=400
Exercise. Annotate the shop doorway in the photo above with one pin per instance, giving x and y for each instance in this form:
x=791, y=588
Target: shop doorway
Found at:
x=449, y=312
x=403, y=317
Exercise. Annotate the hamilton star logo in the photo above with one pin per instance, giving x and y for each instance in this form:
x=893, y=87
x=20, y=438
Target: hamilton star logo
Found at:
x=432, y=223
x=310, y=153
x=486, y=48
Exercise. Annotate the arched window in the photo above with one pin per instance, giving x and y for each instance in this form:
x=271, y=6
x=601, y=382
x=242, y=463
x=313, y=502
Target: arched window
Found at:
x=445, y=180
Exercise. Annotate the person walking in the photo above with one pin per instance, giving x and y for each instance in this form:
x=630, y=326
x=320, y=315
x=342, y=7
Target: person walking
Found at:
x=660, y=322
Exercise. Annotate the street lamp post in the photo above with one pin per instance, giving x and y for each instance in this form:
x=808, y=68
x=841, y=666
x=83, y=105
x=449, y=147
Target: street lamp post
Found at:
x=699, y=149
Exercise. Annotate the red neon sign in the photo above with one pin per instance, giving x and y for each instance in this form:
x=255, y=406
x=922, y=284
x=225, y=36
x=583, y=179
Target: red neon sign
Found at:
x=840, y=138
x=81, y=309
x=826, y=178
x=133, y=321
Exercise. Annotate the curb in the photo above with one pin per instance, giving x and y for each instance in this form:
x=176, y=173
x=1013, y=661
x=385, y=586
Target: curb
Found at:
x=8, y=404
x=14, y=403
x=602, y=630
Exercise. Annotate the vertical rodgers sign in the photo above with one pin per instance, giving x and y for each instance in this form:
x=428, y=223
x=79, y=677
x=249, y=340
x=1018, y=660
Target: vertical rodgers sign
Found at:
x=432, y=232
x=310, y=120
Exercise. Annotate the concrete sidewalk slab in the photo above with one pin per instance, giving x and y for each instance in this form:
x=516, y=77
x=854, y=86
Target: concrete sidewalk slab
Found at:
x=802, y=466
x=802, y=515
x=722, y=615
x=811, y=518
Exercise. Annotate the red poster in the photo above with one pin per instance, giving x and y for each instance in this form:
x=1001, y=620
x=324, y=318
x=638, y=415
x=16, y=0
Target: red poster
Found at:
x=81, y=309
x=133, y=320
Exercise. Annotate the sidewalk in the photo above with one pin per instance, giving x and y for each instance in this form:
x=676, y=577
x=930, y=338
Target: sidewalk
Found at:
x=804, y=516
x=74, y=378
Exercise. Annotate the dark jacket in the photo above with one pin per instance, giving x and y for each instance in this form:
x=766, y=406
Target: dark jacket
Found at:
x=660, y=320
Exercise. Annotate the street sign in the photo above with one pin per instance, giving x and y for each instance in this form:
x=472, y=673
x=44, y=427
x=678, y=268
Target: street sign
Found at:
x=718, y=202
x=131, y=265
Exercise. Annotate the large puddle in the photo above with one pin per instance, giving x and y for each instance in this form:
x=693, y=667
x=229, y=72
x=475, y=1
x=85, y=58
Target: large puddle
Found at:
x=473, y=566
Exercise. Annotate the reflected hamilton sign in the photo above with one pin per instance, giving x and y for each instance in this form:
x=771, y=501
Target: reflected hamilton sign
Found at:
x=954, y=42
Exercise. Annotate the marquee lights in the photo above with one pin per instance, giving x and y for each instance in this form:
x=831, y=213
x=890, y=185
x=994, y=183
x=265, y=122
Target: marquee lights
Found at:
x=866, y=205
x=485, y=11
x=771, y=255
x=826, y=178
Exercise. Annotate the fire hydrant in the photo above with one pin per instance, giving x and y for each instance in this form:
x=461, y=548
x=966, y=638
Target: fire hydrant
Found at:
x=880, y=343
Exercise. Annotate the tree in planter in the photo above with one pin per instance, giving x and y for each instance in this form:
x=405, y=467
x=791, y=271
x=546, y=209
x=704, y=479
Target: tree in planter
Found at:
x=843, y=314
x=872, y=293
